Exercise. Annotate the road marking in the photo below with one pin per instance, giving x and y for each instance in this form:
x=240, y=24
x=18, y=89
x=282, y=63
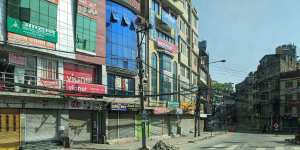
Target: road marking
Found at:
x=279, y=148
x=232, y=147
x=217, y=146
x=260, y=148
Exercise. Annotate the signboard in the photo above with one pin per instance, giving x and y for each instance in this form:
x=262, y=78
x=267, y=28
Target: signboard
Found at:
x=17, y=59
x=79, y=74
x=118, y=83
x=134, y=4
x=53, y=1
x=86, y=105
x=188, y=106
x=29, y=41
x=88, y=8
x=84, y=88
x=53, y=84
x=155, y=104
x=203, y=115
x=173, y=104
x=167, y=46
x=125, y=84
x=160, y=110
x=118, y=106
x=31, y=30
x=134, y=106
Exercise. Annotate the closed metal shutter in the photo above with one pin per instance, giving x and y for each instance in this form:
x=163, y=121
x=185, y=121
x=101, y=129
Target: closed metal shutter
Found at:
x=127, y=125
x=173, y=125
x=165, y=125
x=112, y=126
x=79, y=126
x=9, y=129
x=156, y=126
x=187, y=125
x=40, y=125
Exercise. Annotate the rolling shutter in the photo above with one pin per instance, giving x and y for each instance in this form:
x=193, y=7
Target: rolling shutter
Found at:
x=79, y=126
x=127, y=125
x=112, y=126
x=156, y=126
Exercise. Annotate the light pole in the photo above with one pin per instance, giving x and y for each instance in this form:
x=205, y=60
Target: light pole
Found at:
x=197, y=113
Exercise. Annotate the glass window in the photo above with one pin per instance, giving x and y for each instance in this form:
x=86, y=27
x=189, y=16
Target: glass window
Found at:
x=182, y=25
x=183, y=48
x=154, y=76
x=182, y=71
x=49, y=69
x=85, y=33
x=175, y=81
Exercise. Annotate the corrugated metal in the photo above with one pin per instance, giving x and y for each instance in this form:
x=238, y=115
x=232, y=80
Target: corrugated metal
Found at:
x=40, y=125
x=173, y=125
x=79, y=126
x=156, y=126
x=187, y=125
x=165, y=125
x=112, y=126
x=127, y=125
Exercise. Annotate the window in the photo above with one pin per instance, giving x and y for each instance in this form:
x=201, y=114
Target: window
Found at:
x=49, y=69
x=195, y=22
x=37, y=12
x=165, y=62
x=288, y=98
x=175, y=81
x=155, y=6
x=154, y=76
x=195, y=40
x=164, y=36
x=85, y=33
x=288, y=84
x=118, y=85
x=182, y=25
x=195, y=59
x=183, y=48
x=182, y=71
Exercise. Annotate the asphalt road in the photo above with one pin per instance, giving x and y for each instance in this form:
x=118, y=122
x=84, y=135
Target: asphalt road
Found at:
x=243, y=141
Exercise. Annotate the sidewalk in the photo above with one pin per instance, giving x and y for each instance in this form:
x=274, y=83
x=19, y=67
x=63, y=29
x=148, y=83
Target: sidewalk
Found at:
x=150, y=143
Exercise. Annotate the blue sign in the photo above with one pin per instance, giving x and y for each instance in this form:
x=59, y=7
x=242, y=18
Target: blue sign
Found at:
x=118, y=106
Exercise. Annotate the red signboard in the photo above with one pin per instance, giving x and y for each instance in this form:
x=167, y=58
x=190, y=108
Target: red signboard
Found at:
x=167, y=46
x=53, y=1
x=53, y=84
x=17, y=59
x=79, y=74
x=30, y=41
x=88, y=8
x=160, y=110
x=85, y=88
x=134, y=3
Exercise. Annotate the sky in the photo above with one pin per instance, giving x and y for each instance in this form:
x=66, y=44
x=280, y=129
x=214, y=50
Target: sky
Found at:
x=243, y=31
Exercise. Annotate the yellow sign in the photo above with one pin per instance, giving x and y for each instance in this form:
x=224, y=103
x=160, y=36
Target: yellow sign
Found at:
x=187, y=106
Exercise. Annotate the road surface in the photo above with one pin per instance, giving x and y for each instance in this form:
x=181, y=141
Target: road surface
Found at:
x=243, y=141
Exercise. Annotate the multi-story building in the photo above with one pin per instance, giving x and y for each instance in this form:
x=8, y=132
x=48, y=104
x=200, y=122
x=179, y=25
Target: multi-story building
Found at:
x=266, y=89
x=289, y=100
x=53, y=71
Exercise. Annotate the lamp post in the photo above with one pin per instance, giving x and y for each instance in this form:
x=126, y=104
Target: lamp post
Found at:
x=197, y=113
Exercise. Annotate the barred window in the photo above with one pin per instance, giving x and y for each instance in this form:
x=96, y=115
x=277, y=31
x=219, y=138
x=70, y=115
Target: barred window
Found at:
x=49, y=69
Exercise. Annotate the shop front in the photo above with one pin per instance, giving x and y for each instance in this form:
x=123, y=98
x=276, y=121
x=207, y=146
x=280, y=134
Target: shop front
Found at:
x=121, y=122
x=173, y=114
x=187, y=119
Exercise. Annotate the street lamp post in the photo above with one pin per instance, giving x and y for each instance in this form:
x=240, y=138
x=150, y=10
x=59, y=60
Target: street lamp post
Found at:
x=197, y=113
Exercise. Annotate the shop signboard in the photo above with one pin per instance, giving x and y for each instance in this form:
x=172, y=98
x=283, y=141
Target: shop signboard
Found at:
x=118, y=106
x=155, y=104
x=188, y=106
x=85, y=105
x=31, y=30
x=53, y=1
x=118, y=83
x=88, y=8
x=134, y=106
x=17, y=59
x=160, y=110
x=53, y=84
x=173, y=104
x=167, y=46
x=84, y=88
x=29, y=41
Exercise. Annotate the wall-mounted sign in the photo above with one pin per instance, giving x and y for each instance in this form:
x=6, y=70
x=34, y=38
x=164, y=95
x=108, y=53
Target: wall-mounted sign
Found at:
x=125, y=84
x=118, y=106
x=85, y=105
x=53, y=84
x=53, y=1
x=84, y=88
x=79, y=74
x=17, y=59
x=155, y=104
x=88, y=8
x=134, y=106
x=188, y=106
x=173, y=104
x=29, y=41
x=31, y=30
x=167, y=46
x=160, y=110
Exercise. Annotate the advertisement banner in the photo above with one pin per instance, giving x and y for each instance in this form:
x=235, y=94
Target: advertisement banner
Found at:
x=118, y=106
x=53, y=1
x=53, y=84
x=88, y=8
x=188, y=106
x=85, y=88
x=167, y=46
x=79, y=74
x=160, y=110
x=118, y=83
x=17, y=59
x=29, y=41
x=173, y=104
x=125, y=84
x=31, y=30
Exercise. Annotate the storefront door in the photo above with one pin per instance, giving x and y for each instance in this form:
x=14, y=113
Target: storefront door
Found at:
x=9, y=129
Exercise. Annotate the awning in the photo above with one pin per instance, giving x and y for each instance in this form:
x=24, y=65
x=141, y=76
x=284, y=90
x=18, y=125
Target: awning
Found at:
x=114, y=16
x=125, y=21
x=132, y=26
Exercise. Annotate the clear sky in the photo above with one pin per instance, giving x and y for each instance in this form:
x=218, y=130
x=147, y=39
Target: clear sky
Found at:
x=243, y=31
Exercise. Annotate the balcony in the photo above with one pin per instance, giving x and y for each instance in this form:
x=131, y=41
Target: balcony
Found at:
x=175, y=5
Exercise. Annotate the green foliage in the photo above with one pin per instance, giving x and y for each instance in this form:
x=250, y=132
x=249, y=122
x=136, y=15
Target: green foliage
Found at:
x=220, y=90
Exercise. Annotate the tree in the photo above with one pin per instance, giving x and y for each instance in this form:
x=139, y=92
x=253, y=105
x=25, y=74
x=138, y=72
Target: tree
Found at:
x=220, y=90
